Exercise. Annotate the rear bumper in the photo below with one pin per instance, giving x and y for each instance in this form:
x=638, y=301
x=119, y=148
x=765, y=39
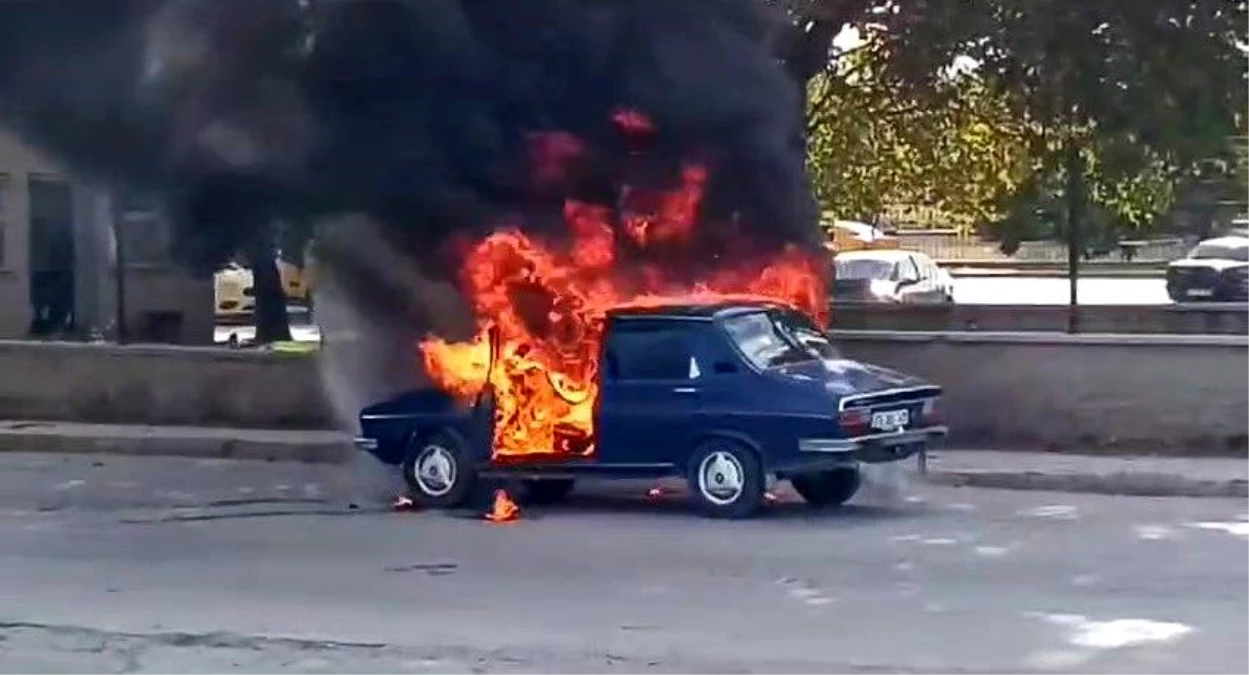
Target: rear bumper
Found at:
x=365, y=444
x=873, y=448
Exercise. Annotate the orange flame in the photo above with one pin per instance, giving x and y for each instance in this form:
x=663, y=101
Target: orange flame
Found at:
x=504, y=510
x=547, y=302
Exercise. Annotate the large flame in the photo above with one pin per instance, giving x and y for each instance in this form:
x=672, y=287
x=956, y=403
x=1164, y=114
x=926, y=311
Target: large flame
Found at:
x=546, y=302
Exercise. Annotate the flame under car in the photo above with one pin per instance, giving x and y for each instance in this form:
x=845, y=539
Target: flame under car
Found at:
x=727, y=395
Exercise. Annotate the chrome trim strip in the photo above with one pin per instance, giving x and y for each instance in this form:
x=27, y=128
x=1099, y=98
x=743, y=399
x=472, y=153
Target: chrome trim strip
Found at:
x=366, y=444
x=387, y=416
x=841, y=445
x=932, y=390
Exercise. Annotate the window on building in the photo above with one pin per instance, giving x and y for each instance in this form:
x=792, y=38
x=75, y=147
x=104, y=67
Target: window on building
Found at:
x=143, y=233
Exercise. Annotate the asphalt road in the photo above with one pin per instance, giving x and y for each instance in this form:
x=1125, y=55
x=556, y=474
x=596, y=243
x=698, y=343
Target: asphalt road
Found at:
x=168, y=565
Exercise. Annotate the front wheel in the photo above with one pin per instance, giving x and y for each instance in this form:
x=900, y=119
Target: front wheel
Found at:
x=827, y=488
x=438, y=471
x=726, y=479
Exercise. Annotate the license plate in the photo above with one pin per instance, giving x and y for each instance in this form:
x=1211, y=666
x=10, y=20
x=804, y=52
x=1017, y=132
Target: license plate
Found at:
x=890, y=420
x=1200, y=292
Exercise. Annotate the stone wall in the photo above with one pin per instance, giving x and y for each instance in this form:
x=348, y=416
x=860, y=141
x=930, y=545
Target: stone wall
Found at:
x=1185, y=319
x=1177, y=394
x=159, y=384
x=1090, y=393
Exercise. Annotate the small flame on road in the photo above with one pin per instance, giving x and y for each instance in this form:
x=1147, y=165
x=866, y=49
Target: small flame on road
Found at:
x=504, y=510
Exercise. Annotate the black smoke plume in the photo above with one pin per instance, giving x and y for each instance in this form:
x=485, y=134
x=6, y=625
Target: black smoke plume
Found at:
x=416, y=117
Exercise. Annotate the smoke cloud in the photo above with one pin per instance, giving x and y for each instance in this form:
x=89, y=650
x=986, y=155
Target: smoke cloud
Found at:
x=418, y=117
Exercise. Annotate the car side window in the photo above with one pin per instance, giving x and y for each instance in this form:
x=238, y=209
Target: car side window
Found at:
x=651, y=351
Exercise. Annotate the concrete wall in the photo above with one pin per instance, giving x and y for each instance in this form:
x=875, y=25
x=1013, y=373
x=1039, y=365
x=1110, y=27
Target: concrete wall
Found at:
x=1187, y=319
x=1085, y=392
x=158, y=384
x=1089, y=393
x=151, y=286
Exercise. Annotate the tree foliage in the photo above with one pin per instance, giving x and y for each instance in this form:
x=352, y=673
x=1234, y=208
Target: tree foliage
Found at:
x=874, y=143
x=1144, y=92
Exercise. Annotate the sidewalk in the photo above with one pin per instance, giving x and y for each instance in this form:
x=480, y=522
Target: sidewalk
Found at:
x=1121, y=475
x=199, y=442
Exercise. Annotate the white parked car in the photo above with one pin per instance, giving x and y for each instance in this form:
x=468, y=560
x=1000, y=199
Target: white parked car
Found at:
x=890, y=276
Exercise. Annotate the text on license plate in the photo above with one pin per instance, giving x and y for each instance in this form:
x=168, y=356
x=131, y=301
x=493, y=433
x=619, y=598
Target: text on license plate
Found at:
x=890, y=420
x=1200, y=292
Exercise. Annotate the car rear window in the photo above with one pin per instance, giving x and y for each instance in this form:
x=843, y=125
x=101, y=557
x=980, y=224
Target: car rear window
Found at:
x=1220, y=252
x=864, y=268
x=763, y=341
x=644, y=351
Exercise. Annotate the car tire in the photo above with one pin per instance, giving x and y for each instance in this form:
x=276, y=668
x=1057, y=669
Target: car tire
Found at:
x=438, y=470
x=726, y=479
x=827, y=488
x=543, y=491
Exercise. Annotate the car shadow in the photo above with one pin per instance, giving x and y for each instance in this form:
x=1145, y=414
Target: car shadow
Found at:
x=669, y=501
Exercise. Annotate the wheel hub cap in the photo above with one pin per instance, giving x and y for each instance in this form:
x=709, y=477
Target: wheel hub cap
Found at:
x=435, y=471
x=721, y=478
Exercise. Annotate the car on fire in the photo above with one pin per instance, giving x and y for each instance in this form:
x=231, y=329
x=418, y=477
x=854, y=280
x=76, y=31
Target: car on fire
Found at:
x=730, y=396
x=1215, y=270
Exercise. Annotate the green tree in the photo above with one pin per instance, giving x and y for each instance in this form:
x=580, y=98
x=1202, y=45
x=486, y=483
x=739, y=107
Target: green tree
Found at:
x=1119, y=87
x=874, y=142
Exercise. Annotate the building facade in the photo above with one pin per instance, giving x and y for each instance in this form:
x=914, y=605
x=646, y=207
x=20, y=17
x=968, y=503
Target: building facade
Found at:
x=58, y=253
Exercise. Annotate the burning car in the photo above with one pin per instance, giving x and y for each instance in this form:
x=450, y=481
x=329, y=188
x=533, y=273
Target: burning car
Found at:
x=726, y=394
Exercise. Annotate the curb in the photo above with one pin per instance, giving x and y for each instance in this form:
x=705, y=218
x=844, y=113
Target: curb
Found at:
x=156, y=445
x=1120, y=483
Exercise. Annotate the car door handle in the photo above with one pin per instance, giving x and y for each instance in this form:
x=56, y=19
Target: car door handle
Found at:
x=686, y=391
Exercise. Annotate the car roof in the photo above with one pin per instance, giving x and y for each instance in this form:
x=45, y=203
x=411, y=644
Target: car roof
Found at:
x=875, y=254
x=1230, y=241
x=694, y=310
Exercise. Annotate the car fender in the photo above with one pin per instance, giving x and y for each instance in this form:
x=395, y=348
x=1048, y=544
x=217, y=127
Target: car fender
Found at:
x=732, y=434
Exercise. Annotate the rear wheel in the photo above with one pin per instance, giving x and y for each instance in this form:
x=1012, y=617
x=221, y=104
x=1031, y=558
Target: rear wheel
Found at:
x=438, y=470
x=543, y=491
x=827, y=488
x=726, y=479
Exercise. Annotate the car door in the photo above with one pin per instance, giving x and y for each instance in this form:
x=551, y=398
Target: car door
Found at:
x=650, y=391
x=930, y=279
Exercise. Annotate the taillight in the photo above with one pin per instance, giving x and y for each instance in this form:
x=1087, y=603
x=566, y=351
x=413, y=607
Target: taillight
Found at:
x=929, y=413
x=854, y=422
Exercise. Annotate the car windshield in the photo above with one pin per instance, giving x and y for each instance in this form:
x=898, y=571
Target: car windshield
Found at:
x=864, y=269
x=1220, y=252
x=769, y=339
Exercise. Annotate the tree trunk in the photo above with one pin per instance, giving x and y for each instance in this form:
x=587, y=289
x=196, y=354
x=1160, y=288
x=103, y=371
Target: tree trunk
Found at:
x=272, y=322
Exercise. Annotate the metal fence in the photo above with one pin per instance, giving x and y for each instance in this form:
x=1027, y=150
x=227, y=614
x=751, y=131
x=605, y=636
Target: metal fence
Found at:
x=941, y=245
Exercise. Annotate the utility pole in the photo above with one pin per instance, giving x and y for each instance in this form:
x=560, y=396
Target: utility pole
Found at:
x=119, y=265
x=1075, y=186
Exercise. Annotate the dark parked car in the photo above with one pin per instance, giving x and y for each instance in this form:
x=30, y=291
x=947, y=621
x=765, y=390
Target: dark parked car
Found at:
x=890, y=276
x=727, y=396
x=1216, y=270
